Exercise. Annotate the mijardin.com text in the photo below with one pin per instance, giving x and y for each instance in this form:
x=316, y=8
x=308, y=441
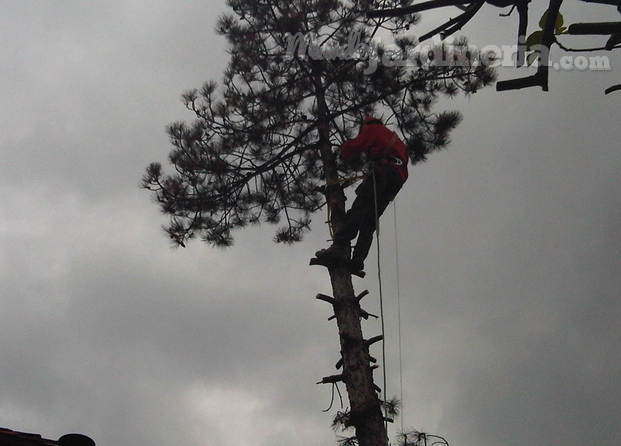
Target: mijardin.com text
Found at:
x=448, y=52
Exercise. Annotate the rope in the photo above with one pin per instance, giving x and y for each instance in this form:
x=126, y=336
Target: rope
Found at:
x=334, y=386
x=379, y=280
x=394, y=207
x=381, y=296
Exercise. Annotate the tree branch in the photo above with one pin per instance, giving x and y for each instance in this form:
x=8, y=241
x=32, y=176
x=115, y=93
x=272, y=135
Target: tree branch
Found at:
x=522, y=29
x=454, y=24
x=603, y=2
x=541, y=76
x=522, y=82
x=601, y=28
x=432, y=4
x=582, y=50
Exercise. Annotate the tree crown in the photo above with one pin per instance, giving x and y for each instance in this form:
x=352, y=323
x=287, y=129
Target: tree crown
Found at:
x=251, y=155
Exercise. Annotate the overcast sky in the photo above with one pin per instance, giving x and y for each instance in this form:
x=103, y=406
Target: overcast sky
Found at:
x=509, y=255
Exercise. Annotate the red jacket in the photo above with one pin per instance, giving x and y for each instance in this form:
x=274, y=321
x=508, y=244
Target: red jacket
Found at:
x=380, y=144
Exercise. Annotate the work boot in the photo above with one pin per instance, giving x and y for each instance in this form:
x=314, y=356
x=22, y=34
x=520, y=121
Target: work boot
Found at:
x=356, y=264
x=335, y=253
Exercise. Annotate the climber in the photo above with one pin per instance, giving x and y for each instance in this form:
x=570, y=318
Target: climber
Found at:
x=388, y=159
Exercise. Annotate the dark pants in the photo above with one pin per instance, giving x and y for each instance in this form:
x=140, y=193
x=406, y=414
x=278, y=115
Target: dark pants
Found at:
x=360, y=219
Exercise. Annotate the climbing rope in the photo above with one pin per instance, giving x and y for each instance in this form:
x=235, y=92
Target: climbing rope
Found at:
x=402, y=414
x=334, y=386
x=381, y=296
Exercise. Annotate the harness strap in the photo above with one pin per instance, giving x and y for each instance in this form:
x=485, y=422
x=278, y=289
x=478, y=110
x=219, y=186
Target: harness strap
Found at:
x=391, y=158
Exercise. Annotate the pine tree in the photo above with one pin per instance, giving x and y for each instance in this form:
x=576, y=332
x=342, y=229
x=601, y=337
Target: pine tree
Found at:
x=261, y=149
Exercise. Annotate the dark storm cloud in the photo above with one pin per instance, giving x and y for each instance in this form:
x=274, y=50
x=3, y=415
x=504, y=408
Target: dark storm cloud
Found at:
x=512, y=312
x=125, y=330
x=93, y=84
x=509, y=247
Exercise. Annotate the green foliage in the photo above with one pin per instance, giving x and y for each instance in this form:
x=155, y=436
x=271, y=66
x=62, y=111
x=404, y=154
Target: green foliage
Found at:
x=531, y=58
x=558, y=23
x=252, y=153
x=534, y=40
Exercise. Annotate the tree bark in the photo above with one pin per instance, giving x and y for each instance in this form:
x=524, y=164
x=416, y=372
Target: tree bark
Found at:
x=366, y=414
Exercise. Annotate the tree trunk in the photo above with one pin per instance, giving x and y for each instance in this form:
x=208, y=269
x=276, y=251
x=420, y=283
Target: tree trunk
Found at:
x=366, y=414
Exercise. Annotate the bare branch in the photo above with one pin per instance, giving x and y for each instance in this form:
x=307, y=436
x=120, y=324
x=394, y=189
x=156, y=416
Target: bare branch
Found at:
x=522, y=28
x=541, y=77
x=613, y=89
x=454, y=25
x=601, y=28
